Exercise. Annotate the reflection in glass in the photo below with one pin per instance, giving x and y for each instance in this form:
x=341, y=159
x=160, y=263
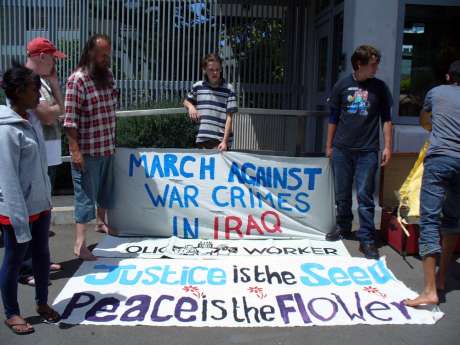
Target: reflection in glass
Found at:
x=430, y=44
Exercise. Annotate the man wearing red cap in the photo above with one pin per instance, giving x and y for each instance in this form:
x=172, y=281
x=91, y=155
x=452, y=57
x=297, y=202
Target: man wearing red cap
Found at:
x=41, y=58
x=41, y=55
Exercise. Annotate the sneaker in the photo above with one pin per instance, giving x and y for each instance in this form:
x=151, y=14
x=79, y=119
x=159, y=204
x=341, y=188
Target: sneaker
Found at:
x=369, y=250
x=338, y=234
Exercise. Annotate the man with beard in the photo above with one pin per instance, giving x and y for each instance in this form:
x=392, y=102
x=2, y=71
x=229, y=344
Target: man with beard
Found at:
x=90, y=103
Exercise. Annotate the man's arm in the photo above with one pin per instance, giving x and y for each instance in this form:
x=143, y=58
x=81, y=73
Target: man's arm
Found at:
x=425, y=120
x=191, y=109
x=73, y=101
x=74, y=148
x=331, y=128
x=49, y=113
x=223, y=146
x=388, y=142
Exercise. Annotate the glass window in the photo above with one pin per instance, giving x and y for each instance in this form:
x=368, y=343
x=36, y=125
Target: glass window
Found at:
x=430, y=44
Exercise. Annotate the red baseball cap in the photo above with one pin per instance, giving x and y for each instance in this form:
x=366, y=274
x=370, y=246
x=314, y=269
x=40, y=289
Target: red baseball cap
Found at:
x=42, y=45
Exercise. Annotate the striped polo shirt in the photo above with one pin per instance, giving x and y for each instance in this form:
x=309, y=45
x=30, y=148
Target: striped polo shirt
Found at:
x=213, y=104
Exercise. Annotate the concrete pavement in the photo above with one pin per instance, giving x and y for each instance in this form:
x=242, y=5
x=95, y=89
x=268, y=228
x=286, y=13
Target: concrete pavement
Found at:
x=446, y=331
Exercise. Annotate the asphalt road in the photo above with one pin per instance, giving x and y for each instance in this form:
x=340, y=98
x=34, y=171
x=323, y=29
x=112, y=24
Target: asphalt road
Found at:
x=446, y=331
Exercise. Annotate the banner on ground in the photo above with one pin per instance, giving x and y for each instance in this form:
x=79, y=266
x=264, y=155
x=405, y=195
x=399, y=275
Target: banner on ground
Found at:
x=230, y=195
x=263, y=291
x=174, y=247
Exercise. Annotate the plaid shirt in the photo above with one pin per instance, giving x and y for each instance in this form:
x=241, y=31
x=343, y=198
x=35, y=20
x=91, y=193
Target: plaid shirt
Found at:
x=92, y=113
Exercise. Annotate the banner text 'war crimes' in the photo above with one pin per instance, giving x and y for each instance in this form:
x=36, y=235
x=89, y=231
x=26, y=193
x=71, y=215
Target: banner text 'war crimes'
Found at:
x=245, y=186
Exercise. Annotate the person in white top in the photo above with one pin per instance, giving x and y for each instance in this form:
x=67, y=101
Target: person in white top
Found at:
x=41, y=58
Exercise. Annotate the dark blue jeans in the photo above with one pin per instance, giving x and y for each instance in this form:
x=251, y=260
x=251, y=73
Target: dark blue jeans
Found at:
x=439, y=202
x=360, y=167
x=13, y=258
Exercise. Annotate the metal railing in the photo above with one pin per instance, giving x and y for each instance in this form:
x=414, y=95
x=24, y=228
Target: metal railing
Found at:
x=264, y=131
x=157, y=44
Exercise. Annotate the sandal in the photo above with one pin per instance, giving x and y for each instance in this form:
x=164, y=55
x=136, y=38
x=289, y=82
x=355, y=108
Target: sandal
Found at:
x=102, y=228
x=16, y=328
x=48, y=314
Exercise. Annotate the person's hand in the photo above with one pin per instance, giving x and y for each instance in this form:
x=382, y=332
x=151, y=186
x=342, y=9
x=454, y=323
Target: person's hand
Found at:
x=386, y=156
x=52, y=77
x=329, y=151
x=193, y=113
x=222, y=146
x=78, y=161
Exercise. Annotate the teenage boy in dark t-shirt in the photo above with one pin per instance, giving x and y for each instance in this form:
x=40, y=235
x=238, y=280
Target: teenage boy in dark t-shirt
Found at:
x=357, y=104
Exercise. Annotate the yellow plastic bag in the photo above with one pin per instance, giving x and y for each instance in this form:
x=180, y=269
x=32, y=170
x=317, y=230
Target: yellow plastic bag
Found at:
x=409, y=193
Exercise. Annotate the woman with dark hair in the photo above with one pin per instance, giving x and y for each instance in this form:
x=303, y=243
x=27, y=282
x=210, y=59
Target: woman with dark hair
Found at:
x=25, y=197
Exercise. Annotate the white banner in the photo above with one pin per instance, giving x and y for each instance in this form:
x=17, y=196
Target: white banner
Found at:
x=174, y=247
x=265, y=291
x=213, y=195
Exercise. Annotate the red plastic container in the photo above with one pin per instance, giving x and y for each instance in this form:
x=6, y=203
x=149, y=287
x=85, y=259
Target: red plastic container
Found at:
x=396, y=238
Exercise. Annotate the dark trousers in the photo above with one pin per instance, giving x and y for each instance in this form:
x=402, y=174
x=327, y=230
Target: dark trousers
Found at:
x=14, y=257
x=360, y=167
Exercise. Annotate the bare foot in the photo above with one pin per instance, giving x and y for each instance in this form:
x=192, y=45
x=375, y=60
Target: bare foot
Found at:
x=423, y=298
x=84, y=254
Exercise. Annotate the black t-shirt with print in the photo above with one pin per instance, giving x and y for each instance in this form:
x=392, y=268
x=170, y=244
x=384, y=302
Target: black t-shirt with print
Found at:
x=359, y=105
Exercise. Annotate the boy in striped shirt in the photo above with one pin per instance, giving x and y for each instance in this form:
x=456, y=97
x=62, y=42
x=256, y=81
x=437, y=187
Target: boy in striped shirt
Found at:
x=212, y=102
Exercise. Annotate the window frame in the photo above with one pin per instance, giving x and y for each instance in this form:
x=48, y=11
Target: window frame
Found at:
x=397, y=119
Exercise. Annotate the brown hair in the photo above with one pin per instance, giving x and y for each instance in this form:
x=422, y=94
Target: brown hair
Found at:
x=363, y=54
x=213, y=57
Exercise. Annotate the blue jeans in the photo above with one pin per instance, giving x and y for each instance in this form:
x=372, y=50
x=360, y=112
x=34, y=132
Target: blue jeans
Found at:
x=440, y=193
x=13, y=258
x=360, y=166
x=92, y=187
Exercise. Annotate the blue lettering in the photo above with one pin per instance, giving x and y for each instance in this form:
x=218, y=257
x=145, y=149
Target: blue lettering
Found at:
x=380, y=273
x=156, y=165
x=293, y=172
x=214, y=196
x=302, y=205
x=157, y=200
x=154, y=278
x=216, y=276
x=170, y=161
x=175, y=197
x=184, y=161
x=312, y=172
x=113, y=273
x=133, y=161
x=166, y=273
x=237, y=193
x=282, y=200
x=318, y=280
x=359, y=276
x=339, y=277
x=211, y=167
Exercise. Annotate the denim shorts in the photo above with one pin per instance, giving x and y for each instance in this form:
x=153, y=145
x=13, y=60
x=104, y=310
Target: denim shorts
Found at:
x=439, y=202
x=92, y=187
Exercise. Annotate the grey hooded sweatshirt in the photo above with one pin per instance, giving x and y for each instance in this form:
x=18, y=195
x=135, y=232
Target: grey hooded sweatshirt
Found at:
x=25, y=188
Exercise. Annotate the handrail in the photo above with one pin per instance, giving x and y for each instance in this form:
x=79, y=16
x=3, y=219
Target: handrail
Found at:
x=249, y=111
x=241, y=111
